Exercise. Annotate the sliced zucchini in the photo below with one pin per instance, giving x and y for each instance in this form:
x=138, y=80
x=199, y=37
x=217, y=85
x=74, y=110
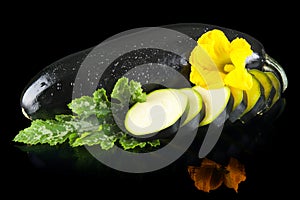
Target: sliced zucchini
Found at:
x=215, y=101
x=255, y=101
x=195, y=105
x=239, y=104
x=162, y=109
x=276, y=85
x=265, y=81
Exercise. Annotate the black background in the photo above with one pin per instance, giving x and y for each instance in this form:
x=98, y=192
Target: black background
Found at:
x=34, y=36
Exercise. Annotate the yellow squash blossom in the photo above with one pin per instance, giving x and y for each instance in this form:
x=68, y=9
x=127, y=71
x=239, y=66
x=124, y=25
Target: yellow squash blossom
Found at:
x=216, y=61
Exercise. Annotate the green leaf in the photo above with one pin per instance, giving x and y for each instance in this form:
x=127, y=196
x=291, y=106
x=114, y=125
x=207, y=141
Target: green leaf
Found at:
x=136, y=91
x=95, y=137
x=121, y=91
x=127, y=93
x=45, y=131
x=154, y=143
x=84, y=106
x=130, y=143
x=93, y=122
x=100, y=96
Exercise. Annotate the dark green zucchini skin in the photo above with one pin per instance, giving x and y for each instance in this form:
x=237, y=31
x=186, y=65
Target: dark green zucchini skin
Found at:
x=51, y=89
x=49, y=92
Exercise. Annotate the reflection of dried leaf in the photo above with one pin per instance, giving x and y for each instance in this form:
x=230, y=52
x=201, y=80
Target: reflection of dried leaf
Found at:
x=236, y=174
x=210, y=175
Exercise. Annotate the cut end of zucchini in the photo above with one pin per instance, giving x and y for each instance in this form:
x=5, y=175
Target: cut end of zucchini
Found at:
x=255, y=101
x=163, y=108
x=195, y=105
x=277, y=86
x=239, y=104
x=266, y=83
x=215, y=101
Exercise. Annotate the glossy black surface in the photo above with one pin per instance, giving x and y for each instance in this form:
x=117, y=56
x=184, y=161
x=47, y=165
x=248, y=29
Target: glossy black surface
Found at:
x=38, y=37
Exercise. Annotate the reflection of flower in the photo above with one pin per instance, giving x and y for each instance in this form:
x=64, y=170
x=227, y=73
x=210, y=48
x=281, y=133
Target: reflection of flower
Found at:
x=211, y=175
x=216, y=58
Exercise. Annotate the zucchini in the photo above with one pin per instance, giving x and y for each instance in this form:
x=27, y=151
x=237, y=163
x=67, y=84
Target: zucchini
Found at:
x=265, y=81
x=239, y=104
x=50, y=90
x=162, y=109
x=196, y=108
x=215, y=101
x=255, y=101
x=276, y=85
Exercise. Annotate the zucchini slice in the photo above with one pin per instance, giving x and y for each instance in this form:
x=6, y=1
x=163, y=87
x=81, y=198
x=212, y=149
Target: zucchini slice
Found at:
x=265, y=81
x=255, y=101
x=162, y=109
x=195, y=105
x=276, y=85
x=215, y=101
x=239, y=104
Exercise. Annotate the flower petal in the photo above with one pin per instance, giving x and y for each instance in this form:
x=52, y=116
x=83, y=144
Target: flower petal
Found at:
x=217, y=46
x=206, y=78
x=239, y=78
x=200, y=59
x=240, y=50
x=229, y=67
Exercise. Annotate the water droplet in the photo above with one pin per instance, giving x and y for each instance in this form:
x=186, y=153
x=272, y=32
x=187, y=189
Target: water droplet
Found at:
x=183, y=62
